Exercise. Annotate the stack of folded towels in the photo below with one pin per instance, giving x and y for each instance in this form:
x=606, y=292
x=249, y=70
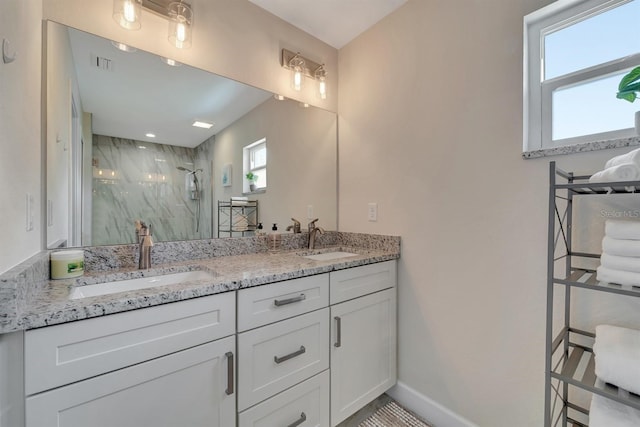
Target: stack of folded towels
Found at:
x=625, y=167
x=617, y=352
x=620, y=260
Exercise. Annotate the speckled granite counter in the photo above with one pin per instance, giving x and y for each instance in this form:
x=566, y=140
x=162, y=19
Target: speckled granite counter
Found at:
x=28, y=300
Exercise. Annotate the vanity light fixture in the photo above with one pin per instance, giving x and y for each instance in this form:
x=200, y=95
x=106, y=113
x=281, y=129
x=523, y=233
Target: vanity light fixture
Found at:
x=127, y=13
x=180, y=23
x=203, y=125
x=302, y=67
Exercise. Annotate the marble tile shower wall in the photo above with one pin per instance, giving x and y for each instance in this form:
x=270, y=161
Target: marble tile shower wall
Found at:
x=131, y=182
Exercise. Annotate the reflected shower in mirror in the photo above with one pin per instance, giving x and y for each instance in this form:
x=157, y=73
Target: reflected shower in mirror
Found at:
x=122, y=146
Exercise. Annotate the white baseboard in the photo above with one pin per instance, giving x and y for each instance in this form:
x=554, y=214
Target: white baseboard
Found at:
x=426, y=408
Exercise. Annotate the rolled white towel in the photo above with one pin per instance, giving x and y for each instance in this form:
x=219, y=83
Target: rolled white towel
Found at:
x=617, y=351
x=630, y=157
x=622, y=229
x=608, y=275
x=621, y=247
x=621, y=263
x=605, y=412
x=621, y=172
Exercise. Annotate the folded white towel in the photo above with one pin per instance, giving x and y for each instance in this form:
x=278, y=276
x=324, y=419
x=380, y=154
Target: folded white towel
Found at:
x=617, y=352
x=240, y=198
x=622, y=229
x=621, y=172
x=621, y=247
x=630, y=157
x=605, y=412
x=620, y=263
x=628, y=278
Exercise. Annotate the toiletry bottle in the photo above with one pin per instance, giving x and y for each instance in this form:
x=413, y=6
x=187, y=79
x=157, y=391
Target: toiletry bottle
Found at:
x=274, y=238
x=259, y=230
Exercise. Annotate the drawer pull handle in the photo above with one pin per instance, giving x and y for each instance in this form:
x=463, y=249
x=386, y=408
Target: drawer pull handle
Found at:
x=296, y=423
x=290, y=356
x=279, y=302
x=229, y=389
x=338, y=342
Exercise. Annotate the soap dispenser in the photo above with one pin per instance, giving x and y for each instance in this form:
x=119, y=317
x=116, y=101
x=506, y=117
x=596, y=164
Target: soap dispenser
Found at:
x=274, y=238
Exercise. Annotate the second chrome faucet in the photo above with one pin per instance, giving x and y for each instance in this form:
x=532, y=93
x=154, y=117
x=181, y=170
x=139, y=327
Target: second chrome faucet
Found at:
x=145, y=242
x=313, y=231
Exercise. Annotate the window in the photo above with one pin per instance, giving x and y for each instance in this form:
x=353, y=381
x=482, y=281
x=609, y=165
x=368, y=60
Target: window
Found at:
x=576, y=52
x=255, y=161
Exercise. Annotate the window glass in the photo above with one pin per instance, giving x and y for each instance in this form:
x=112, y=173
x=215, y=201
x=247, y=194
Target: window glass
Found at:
x=600, y=38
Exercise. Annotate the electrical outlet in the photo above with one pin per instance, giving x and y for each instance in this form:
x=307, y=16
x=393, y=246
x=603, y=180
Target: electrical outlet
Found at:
x=309, y=211
x=372, y=212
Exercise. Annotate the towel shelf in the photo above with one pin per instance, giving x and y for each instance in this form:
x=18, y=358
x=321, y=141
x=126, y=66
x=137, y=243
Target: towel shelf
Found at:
x=569, y=360
x=237, y=218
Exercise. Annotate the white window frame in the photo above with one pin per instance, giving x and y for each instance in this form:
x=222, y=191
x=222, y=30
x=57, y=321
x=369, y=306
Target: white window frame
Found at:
x=247, y=153
x=538, y=94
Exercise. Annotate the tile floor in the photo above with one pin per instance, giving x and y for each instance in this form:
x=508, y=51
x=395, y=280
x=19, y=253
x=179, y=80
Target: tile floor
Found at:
x=383, y=412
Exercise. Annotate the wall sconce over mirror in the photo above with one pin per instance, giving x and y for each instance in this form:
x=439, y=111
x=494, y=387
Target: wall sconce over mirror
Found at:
x=301, y=68
x=128, y=14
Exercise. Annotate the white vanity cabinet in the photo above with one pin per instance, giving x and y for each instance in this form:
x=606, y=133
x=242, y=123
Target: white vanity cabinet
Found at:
x=363, y=336
x=283, y=354
x=168, y=365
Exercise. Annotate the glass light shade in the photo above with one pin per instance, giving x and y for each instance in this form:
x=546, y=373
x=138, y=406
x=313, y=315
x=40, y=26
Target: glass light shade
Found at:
x=127, y=13
x=321, y=77
x=297, y=73
x=180, y=23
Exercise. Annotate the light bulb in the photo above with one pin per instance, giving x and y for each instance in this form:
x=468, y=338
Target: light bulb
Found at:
x=129, y=12
x=322, y=89
x=180, y=24
x=297, y=80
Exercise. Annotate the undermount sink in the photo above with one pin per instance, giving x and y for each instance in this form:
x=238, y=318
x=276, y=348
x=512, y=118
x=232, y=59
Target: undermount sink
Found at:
x=139, y=283
x=329, y=256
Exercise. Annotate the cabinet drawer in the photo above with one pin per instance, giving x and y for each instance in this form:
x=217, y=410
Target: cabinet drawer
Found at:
x=63, y=354
x=270, y=303
x=306, y=404
x=187, y=388
x=278, y=356
x=355, y=282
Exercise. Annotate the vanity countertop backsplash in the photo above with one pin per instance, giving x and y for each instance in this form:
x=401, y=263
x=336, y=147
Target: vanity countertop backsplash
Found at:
x=28, y=299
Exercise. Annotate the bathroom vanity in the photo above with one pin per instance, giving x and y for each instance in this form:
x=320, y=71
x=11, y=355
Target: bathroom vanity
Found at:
x=273, y=340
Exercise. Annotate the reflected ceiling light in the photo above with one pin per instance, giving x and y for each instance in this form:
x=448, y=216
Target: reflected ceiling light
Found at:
x=127, y=13
x=123, y=47
x=301, y=68
x=180, y=23
x=149, y=135
x=171, y=62
x=278, y=96
x=304, y=105
x=203, y=125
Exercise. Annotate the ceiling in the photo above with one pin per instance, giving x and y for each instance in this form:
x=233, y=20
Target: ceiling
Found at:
x=335, y=22
x=139, y=94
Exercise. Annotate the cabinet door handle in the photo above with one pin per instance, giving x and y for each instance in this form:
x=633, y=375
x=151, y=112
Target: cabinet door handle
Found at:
x=229, y=389
x=338, y=342
x=290, y=355
x=296, y=423
x=279, y=302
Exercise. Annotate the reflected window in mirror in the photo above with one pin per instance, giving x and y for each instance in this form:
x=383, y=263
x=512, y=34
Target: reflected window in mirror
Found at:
x=255, y=166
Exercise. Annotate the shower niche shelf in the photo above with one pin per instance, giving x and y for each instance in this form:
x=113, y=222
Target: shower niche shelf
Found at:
x=237, y=218
x=569, y=360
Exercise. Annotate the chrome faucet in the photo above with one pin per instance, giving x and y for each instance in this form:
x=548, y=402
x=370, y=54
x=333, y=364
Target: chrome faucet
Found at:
x=313, y=230
x=295, y=227
x=145, y=242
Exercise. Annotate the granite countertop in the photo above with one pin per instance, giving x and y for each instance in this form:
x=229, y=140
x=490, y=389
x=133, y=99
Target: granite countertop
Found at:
x=51, y=305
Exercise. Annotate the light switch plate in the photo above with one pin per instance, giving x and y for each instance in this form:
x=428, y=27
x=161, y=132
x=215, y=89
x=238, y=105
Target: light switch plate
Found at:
x=372, y=212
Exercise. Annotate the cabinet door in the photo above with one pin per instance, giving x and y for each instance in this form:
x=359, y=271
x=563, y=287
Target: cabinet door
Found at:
x=189, y=388
x=363, y=352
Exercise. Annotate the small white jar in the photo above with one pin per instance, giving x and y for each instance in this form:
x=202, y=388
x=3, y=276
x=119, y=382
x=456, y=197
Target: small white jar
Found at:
x=67, y=264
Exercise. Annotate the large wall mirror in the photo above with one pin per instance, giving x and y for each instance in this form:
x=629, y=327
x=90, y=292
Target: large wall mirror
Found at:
x=121, y=147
